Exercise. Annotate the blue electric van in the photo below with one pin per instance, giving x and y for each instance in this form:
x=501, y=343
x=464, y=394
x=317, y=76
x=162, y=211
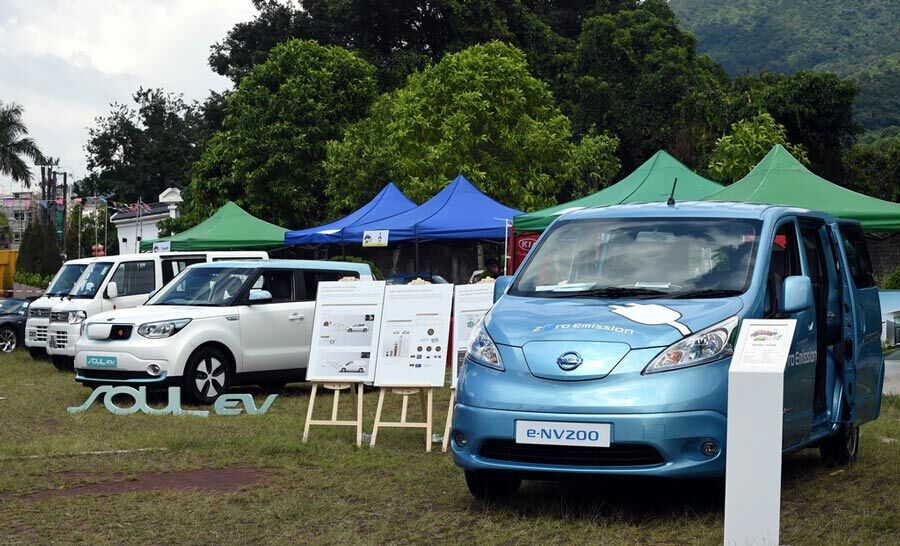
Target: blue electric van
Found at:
x=608, y=351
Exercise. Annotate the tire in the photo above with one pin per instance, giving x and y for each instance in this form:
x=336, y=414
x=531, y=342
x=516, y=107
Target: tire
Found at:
x=492, y=484
x=842, y=448
x=9, y=340
x=206, y=376
x=63, y=363
x=37, y=353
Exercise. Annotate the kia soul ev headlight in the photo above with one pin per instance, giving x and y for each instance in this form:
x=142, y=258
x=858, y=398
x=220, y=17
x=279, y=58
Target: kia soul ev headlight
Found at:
x=482, y=350
x=708, y=345
x=163, y=328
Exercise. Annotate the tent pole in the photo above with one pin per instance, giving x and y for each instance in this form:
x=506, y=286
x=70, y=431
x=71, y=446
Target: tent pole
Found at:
x=417, y=256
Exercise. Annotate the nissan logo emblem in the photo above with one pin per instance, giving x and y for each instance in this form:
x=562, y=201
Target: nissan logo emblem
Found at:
x=569, y=361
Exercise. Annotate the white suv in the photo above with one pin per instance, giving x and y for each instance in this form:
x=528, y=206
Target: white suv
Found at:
x=215, y=325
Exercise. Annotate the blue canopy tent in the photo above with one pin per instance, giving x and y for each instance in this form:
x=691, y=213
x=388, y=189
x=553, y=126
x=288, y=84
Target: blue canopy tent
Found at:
x=459, y=211
x=389, y=201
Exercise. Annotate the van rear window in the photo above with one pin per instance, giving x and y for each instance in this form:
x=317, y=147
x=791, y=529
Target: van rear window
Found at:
x=857, y=255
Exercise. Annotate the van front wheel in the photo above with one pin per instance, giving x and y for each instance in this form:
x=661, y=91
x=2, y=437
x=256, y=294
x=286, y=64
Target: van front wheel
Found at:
x=842, y=448
x=206, y=375
x=492, y=484
x=63, y=363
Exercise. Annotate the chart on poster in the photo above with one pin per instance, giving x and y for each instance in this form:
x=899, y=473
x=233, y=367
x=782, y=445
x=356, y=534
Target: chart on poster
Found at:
x=470, y=303
x=346, y=331
x=412, y=350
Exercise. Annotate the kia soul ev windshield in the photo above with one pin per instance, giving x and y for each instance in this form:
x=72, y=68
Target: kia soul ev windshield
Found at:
x=643, y=257
x=204, y=286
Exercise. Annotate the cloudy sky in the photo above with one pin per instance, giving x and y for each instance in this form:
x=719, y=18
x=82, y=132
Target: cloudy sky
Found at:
x=65, y=61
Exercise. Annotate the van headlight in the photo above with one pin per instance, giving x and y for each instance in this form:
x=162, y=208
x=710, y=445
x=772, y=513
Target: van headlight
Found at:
x=163, y=328
x=481, y=349
x=77, y=317
x=709, y=345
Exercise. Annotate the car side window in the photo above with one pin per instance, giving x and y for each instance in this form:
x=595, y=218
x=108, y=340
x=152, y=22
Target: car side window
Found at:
x=278, y=282
x=309, y=281
x=172, y=267
x=135, y=278
x=857, y=256
x=784, y=262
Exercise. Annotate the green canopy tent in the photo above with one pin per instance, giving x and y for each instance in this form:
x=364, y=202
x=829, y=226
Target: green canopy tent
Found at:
x=230, y=228
x=780, y=179
x=651, y=182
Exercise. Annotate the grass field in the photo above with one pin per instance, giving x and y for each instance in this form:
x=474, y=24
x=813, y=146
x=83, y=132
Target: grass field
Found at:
x=329, y=491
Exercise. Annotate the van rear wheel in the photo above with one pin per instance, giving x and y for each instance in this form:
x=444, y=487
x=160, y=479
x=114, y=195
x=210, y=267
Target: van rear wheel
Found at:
x=206, y=375
x=492, y=484
x=842, y=448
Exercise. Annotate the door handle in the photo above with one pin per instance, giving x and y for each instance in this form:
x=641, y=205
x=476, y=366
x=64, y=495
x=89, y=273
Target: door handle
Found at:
x=295, y=317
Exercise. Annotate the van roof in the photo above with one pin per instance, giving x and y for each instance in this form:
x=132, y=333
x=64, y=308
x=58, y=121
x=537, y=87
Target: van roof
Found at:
x=362, y=269
x=150, y=255
x=703, y=209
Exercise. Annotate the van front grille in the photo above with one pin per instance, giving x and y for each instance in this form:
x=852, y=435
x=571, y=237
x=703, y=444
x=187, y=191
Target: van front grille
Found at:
x=614, y=455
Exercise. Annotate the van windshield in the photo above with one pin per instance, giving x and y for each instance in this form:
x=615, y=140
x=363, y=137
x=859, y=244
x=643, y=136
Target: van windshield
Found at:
x=65, y=279
x=90, y=280
x=206, y=286
x=642, y=257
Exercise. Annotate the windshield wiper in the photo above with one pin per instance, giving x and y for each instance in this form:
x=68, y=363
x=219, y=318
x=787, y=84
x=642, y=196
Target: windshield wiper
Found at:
x=705, y=293
x=608, y=292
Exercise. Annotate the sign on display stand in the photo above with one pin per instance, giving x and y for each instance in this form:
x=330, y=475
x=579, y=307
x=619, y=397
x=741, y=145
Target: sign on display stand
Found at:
x=470, y=303
x=345, y=336
x=754, y=439
x=412, y=349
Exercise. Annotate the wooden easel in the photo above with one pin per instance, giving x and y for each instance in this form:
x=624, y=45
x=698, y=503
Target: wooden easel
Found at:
x=356, y=392
x=446, y=441
x=425, y=396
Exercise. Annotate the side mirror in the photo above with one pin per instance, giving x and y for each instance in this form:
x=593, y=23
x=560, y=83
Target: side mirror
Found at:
x=260, y=296
x=797, y=295
x=112, y=291
x=501, y=285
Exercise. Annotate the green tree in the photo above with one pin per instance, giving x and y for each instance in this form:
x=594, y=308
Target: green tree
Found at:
x=138, y=152
x=38, y=250
x=88, y=222
x=478, y=112
x=15, y=145
x=874, y=169
x=749, y=141
x=268, y=156
x=816, y=109
x=634, y=70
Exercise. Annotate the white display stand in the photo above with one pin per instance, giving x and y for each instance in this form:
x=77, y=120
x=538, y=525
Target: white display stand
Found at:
x=754, y=439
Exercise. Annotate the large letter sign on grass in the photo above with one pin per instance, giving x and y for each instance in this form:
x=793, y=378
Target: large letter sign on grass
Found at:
x=227, y=404
x=755, y=419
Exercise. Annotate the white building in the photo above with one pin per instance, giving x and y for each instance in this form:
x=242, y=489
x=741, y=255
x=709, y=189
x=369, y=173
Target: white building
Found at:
x=137, y=226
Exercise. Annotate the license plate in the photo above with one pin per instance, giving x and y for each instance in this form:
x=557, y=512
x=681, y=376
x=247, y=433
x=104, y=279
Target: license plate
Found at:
x=563, y=434
x=101, y=361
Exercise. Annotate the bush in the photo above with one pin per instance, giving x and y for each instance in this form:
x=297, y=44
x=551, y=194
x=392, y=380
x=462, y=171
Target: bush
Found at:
x=39, y=251
x=32, y=279
x=892, y=281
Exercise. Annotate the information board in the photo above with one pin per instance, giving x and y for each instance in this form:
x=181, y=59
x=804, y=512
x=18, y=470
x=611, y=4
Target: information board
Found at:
x=470, y=303
x=412, y=350
x=754, y=431
x=346, y=331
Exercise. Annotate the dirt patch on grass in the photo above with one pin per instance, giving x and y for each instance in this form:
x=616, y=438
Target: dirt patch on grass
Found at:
x=221, y=480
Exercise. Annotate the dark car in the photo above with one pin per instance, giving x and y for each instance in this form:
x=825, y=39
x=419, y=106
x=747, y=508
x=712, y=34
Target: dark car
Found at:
x=406, y=278
x=13, y=314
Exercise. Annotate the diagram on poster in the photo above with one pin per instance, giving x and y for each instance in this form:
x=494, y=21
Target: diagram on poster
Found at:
x=470, y=303
x=345, y=331
x=412, y=349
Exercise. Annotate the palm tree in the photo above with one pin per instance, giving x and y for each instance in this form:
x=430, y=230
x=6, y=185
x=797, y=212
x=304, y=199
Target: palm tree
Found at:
x=15, y=145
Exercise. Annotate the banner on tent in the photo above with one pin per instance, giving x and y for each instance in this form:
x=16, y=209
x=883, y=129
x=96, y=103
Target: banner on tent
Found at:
x=378, y=237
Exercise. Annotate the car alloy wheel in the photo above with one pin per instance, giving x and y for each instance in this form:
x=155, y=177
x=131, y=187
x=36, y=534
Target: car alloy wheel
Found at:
x=209, y=377
x=8, y=340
